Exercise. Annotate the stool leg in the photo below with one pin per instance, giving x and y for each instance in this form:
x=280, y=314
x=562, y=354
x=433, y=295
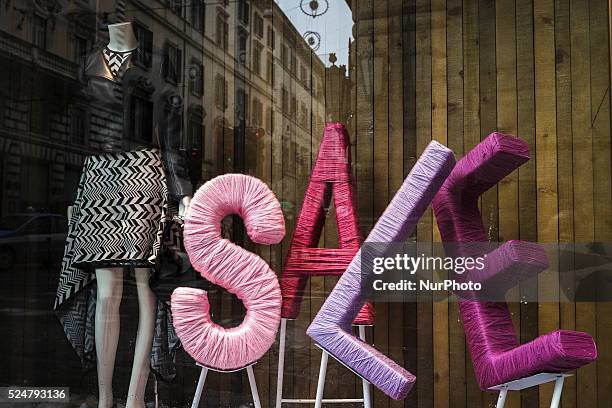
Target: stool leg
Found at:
x=501, y=401
x=200, y=387
x=253, y=385
x=367, y=400
x=281, y=363
x=321, y=383
x=556, y=398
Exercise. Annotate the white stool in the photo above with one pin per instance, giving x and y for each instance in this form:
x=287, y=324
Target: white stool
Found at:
x=532, y=381
x=204, y=372
x=318, y=401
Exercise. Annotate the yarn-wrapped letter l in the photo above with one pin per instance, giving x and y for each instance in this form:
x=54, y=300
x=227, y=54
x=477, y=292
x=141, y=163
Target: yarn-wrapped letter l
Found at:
x=331, y=328
x=239, y=271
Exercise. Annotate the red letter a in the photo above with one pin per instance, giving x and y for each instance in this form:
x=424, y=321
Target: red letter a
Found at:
x=332, y=171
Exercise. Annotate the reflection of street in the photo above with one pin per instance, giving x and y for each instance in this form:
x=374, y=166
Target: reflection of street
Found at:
x=31, y=238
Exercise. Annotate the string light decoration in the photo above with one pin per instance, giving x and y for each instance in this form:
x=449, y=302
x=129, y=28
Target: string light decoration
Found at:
x=313, y=39
x=314, y=8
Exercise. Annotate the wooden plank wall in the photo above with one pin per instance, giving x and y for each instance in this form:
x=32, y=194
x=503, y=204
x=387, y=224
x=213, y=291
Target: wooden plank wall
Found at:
x=538, y=69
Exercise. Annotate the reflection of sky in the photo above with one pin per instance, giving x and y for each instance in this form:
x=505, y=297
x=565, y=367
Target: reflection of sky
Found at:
x=335, y=26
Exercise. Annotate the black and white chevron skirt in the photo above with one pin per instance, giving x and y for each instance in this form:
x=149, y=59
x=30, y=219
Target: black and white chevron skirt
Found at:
x=120, y=210
x=117, y=221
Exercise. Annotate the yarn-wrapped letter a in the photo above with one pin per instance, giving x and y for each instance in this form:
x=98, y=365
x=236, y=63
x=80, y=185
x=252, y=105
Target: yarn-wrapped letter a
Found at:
x=237, y=270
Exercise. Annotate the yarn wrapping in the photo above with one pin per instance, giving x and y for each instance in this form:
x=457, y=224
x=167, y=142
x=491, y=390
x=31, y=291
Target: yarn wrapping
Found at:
x=331, y=328
x=496, y=353
x=239, y=271
x=331, y=174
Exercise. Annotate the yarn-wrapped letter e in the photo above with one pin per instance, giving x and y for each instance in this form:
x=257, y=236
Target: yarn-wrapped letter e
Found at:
x=237, y=270
x=497, y=355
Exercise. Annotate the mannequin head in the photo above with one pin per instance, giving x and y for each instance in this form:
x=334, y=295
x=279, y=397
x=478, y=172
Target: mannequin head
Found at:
x=122, y=37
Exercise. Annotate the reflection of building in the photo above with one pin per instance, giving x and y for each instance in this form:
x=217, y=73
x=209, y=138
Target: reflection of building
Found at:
x=239, y=71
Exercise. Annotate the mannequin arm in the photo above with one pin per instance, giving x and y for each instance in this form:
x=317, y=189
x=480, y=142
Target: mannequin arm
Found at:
x=184, y=206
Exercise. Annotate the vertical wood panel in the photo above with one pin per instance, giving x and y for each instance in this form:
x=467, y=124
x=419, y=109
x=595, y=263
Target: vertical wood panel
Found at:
x=583, y=175
x=381, y=159
x=526, y=173
x=546, y=161
x=567, y=311
x=396, y=165
x=602, y=199
x=505, y=44
x=424, y=369
x=439, y=132
x=471, y=129
x=454, y=47
x=409, y=153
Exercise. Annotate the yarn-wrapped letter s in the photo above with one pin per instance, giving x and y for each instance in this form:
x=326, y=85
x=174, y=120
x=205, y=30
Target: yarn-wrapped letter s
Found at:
x=239, y=271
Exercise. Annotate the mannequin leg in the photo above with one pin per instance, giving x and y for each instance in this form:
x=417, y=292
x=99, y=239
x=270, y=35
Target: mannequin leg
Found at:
x=147, y=307
x=108, y=300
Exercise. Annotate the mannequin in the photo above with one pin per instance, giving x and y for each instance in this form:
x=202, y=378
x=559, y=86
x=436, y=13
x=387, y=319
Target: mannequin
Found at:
x=121, y=37
x=104, y=72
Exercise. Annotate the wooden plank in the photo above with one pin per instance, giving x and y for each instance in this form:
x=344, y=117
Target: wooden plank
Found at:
x=409, y=158
x=381, y=161
x=488, y=119
x=276, y=186
x=364, y=116
x=302, y=367
x=471, y=130
x=395, y=159
x=508, y=195
x=439, y=132
x=602, y=191
x=546, y=162
x=454, y=51
x=527, y=186
x=567, y=311
x=586, y=377
x=424, y=228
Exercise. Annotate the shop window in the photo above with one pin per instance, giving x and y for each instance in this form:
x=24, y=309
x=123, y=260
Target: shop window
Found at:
x=141, y=118
x=222, y=30
x=269, y=67
x=257, y=49
x=258, y=25
x=173, y=59
x=257, y=112
x=196, y=78
x=80, y=49
x=271, y=37
x=196, y=131
x=80, y=125
x=285, y=55
x=303, y=115
x=144, y=52
x=39, y=32
x=243, y=11
x=269, y=120
x=242, y=45
x=198, y=14
x=220, y=92
x=284, y=100
x=35, y=175
x=293, y=66
x=176, y=6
